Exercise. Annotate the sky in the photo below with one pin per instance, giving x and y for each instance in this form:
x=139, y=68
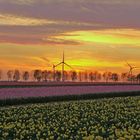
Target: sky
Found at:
x=94, y=34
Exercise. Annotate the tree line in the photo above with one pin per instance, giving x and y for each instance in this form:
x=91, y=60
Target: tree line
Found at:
x=46, y=75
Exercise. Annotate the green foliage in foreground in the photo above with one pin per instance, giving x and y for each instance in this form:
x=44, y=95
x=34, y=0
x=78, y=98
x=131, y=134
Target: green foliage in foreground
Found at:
x=114, y=118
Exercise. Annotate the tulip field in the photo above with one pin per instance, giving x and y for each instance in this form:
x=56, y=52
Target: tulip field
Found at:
x=28, y=92
x=113, y=118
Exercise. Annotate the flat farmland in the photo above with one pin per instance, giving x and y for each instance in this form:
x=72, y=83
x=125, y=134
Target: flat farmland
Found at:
x=103, y=119
x=42, y=91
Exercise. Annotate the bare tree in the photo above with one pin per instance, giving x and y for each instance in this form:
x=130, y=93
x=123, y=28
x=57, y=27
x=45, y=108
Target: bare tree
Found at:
x=26, y=76
x=107, y=76
x=91, y=76
x=133, y=78
x=110, y=75
x=45, y=75
x=16, y=75
x=85, y=76
x=38, y=75
x=115, y=77
x=51, y=75
x=99, y=76
x=138, y=78
x=74, y=76
x=58, y=75
x=0, y=74
x=95, y=76
x=124, y=76
x=10, y=75
x=65, y=75
x=80, y=76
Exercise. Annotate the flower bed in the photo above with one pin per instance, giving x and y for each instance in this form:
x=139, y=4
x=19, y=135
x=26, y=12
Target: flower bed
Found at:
x=114, y=118
x=63, y=90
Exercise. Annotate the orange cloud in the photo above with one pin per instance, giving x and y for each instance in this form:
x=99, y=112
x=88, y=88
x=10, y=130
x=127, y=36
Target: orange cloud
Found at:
x=16, y=20
x=13, y=20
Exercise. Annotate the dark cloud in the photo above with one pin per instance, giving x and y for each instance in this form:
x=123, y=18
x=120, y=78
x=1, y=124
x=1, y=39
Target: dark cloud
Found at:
x=74, y=15
x=60, y=41
x=107, y=12
x=34, y=39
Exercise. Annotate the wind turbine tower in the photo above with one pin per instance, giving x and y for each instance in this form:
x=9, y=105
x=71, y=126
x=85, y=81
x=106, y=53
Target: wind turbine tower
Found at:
x=63, y=63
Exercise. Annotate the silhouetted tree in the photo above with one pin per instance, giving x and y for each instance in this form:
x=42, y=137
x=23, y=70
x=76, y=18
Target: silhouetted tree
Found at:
x=45, y=75
x=115, y=77
x=96, y=76
x=99, y=76
x=50, y=75
x=134, y=78
x=85, y=76
x=124, y=76
x=0, y=74
x=74, y=76
x=65, y=75
x=107, y=76
x=38, y=75
x=26, y=76
x=110, y=75
x=80, y=76
x=10, y=75
x=91, y=76
x=131, y=78
x=16, y=75
x=58, y=75
x=138, y=78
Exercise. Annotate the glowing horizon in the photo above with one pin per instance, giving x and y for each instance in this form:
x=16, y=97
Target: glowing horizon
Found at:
x=95, y=35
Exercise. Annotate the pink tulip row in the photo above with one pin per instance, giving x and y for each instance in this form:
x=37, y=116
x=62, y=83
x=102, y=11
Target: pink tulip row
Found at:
x=63, y=90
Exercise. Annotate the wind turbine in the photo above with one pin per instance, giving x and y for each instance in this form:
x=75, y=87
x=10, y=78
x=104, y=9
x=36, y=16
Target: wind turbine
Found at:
x=63, y=63
x=53, y=66
x=131, y=70
x=53, y=72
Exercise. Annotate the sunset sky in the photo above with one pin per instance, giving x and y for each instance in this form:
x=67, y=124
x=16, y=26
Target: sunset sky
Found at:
x=95, y=34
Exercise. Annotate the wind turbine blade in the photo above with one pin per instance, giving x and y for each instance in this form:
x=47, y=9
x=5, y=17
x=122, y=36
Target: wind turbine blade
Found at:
x=68, y=65
x=53, y=66
x=45, y=59
x=128, y=64
x=136, y=67
x=58, y=64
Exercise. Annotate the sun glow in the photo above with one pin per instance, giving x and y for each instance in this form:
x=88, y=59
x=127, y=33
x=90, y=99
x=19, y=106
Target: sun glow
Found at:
x=94, y=34
x=121, y=36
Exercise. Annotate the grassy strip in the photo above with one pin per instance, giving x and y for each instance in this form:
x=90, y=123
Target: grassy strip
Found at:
x=31, y=100
x=65, y=84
